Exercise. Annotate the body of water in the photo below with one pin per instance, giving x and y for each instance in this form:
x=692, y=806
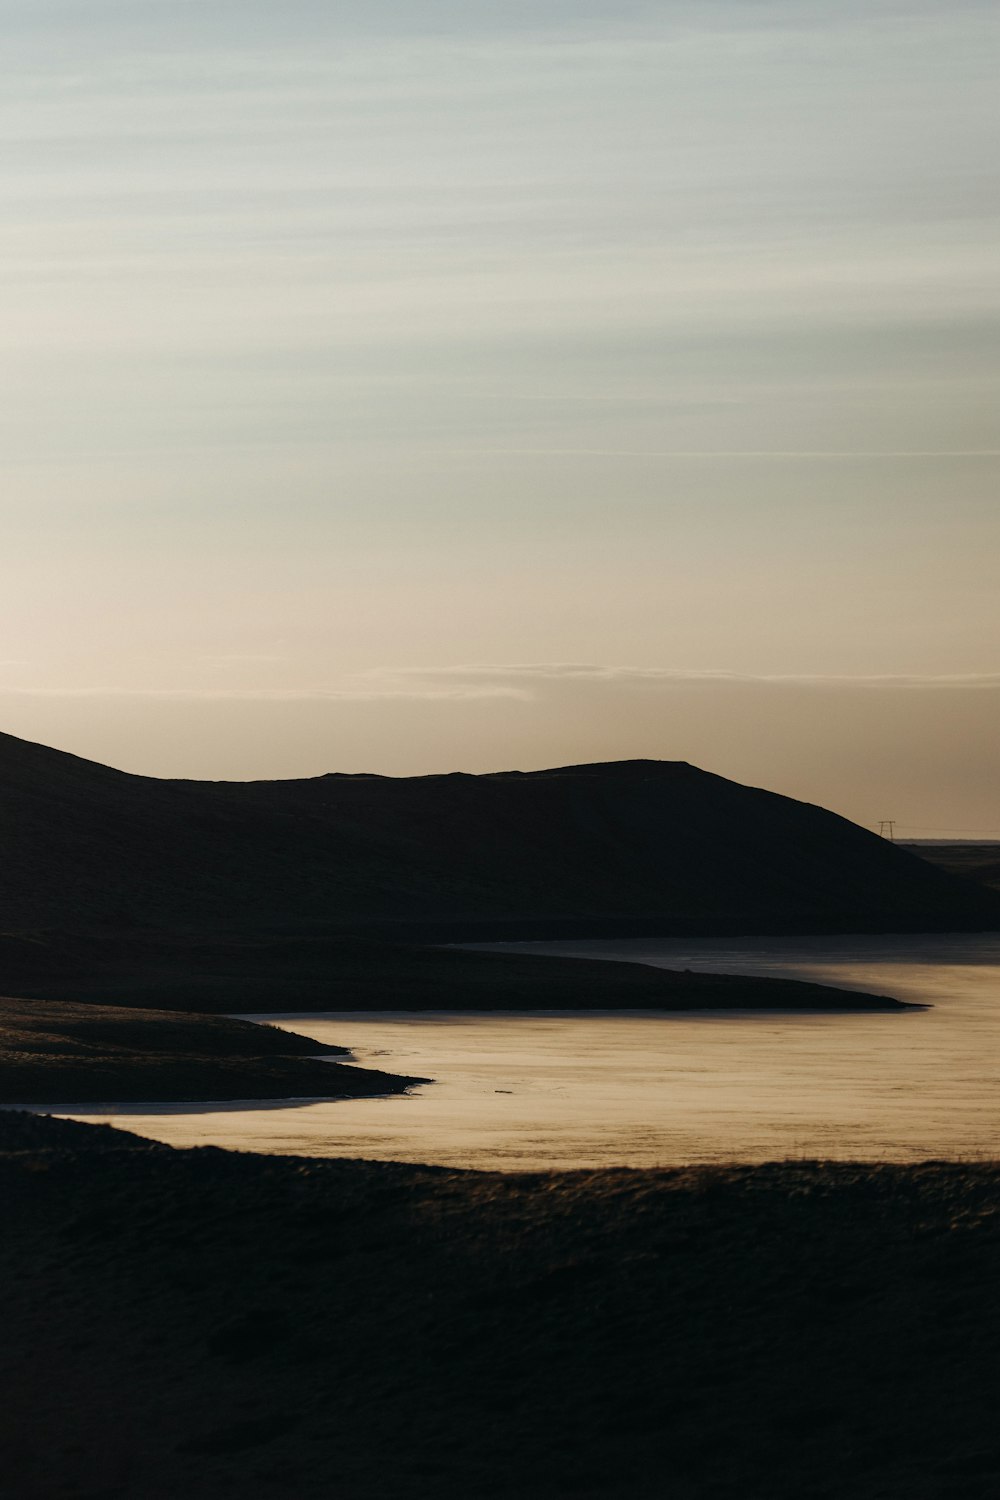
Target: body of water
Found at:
x=586, y=1089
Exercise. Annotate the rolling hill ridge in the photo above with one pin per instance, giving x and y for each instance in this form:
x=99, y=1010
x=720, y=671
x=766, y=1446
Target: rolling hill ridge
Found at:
x=323, y=893
x=658, y=844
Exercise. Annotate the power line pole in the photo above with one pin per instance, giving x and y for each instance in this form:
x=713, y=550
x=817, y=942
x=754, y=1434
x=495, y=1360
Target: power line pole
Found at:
x=887, y=829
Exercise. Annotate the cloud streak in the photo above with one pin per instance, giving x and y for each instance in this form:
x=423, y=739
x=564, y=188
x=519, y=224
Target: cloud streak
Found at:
x=817, y=453
x=533, y=673
x=519, y=681
x=356, y=693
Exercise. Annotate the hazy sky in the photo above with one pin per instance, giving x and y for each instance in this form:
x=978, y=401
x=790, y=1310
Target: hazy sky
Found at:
x=428, y=385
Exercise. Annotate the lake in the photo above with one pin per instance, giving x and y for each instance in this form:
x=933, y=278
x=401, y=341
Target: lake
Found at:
x=595, y=1089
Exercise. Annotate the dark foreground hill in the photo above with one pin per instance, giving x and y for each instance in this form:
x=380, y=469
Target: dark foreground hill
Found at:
x=631, y=846
x=205, y=1324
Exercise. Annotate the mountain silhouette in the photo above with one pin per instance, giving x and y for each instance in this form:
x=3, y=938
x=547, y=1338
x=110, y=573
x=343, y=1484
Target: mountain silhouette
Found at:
x=657, y=844
x=270, y=894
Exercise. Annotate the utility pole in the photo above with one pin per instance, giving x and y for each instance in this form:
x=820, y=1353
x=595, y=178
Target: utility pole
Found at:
x=887, y=829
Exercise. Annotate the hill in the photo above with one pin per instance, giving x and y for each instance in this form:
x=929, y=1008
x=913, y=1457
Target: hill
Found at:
x=312, y=893
x=637, y=845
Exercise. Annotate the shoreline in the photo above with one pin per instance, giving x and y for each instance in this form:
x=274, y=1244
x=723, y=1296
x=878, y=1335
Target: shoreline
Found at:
x=225, y=977
x=52, y=1051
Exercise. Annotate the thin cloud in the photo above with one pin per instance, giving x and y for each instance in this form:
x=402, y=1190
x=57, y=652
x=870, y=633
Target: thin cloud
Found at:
x=531, y=676
x=243, y=658
x=345, y=694
x=523, y=681
x=816, y=453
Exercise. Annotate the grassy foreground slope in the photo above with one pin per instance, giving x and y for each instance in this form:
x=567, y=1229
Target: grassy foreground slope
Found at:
x=205, y=1324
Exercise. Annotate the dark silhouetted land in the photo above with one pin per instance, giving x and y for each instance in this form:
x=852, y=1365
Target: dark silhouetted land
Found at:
x=361, y=974
x=977, y=861
x=57, y=1053
x=641, y=842
x=206, y=1324
x=54, y=1052
x=263, y=895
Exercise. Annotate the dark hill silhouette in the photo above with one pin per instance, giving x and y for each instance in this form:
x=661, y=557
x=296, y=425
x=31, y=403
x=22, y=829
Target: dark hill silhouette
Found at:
x=633, y=845
x=312, y=894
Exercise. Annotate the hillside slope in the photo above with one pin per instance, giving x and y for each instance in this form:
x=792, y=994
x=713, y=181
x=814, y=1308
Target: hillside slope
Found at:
x=643, y=845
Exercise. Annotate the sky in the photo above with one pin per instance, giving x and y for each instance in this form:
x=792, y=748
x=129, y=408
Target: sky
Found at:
x=433, y=386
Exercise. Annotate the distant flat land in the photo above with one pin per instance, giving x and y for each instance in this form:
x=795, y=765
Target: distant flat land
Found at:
x=209, y=1324
x=978, y=861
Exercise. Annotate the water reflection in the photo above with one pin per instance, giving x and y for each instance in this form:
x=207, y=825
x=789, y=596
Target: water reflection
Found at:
x=586, y=1090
